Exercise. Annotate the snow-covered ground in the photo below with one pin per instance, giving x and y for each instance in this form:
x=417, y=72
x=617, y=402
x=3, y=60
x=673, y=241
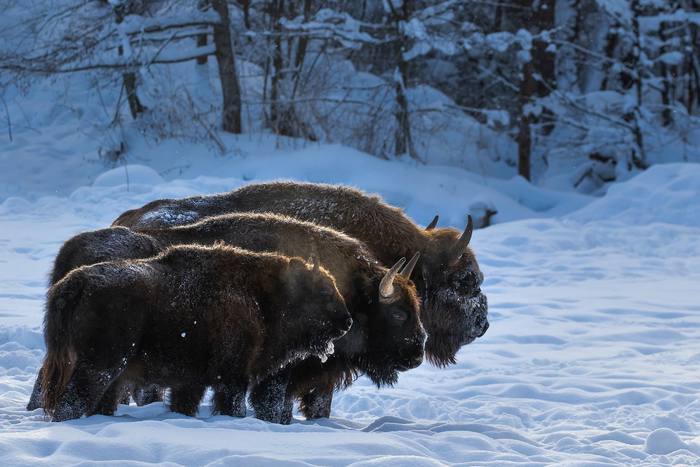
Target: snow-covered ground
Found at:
x=592, y=358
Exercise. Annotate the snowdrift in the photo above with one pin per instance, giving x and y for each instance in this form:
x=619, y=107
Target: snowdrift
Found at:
x=591, y=358
x=665, y=193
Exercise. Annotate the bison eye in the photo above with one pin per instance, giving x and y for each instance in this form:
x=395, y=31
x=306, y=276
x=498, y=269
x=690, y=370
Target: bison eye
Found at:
x=399, y=316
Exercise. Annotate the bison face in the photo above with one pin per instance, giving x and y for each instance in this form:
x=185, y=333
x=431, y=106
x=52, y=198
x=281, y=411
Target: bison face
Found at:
x=396, y=337
x=319, y=309
x=454, y=309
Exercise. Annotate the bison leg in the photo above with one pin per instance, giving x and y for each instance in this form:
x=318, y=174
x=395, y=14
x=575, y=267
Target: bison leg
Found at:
x=185, y=398
x=229, y=399
x=115, y=394
x=110, y=400
x=316, y=404
x=268, y=397
x=84, y=390
x=287, y=409
x=147, y=394
x=35, y=398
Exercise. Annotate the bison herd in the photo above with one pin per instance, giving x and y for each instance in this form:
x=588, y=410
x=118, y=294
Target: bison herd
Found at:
x=281, y=292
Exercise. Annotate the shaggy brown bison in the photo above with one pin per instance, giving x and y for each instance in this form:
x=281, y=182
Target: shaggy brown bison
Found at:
x=189, y=318
x=454, y=309
x=387, y=336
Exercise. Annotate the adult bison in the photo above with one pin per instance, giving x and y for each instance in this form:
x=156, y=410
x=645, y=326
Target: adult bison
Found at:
x=189, y=318
x=454, y=310
x=387, y=336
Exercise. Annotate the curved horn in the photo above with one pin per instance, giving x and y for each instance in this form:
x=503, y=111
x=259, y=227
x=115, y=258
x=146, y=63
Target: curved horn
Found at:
x=408, y=269
x=463, y=241
x=433, y=223
x=386, y=286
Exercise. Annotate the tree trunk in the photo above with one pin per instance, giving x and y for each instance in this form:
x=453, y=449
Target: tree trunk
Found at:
x=692, y=66
x=135, y=106
x=303, y=41
x=527, y=91
x=610, y=46
x=245, y=4
x=202, y=5
x=128, y=78
x=230, y=89
x=277, y=63
x=201, y=42
x=667, y=72
x=539, y=15
x=403, y=137
x=638, y=153
x=543, y=60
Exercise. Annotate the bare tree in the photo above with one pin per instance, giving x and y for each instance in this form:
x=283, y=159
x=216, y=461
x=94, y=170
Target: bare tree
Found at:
x=540, y=15
x=230, y=89
x=400, y=15
x=129, y=77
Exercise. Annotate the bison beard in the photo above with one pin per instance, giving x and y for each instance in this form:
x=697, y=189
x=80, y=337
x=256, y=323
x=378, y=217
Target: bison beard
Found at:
x=458, y=309
x=378, y=344
x=188, y=318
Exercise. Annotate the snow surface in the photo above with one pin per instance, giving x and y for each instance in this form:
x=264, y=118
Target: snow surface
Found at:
x=592, y=357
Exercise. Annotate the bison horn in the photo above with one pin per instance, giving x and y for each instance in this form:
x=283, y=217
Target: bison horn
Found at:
x=386, y=286
x=408, y=269
x=463, y=241
x=433, y=223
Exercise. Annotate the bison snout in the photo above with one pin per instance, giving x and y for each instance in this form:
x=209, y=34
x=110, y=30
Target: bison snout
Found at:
x=480, y=325
x=341, y=323
x=416, y=361
x=346, y=324
x=412, y=358
x=484, y=328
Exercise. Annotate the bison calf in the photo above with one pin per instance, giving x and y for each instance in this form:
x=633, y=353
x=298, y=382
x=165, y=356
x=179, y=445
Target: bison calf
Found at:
x=189, y=318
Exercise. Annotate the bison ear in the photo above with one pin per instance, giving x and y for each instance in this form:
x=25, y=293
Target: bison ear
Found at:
x=461, y=245
x=408, y=269
x=433, y=223
x=386, y=286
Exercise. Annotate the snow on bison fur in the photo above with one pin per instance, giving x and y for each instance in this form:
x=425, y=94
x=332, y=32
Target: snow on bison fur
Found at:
x=189, y=318
x=387, y=336
x=454, y=310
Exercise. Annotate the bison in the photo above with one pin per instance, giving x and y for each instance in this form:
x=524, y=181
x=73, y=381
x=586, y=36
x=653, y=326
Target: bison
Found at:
x=454, y=310
x=387, y=336
x=189, y=318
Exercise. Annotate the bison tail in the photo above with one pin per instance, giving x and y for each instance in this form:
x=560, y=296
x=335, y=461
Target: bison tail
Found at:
x=61, y=354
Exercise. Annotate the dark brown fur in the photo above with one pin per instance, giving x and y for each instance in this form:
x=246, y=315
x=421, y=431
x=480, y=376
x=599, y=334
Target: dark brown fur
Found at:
x=454, y=309
x=377, y=344
x=189, y=318
x=91, y=248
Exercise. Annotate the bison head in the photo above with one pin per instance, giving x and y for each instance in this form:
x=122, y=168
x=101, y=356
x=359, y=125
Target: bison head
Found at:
x=319, y=313
x=454, y=309
x=395, y=335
